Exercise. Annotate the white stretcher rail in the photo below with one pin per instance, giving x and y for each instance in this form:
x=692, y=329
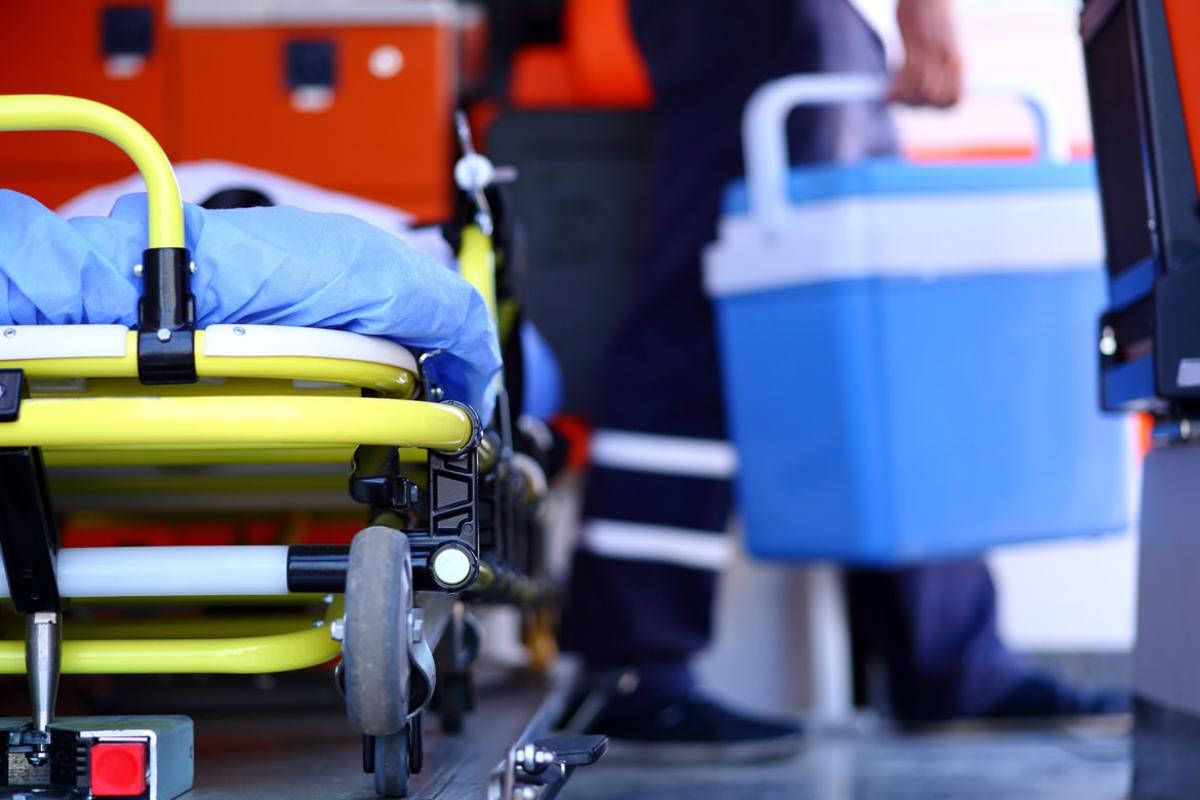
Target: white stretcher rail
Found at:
x=170, y=571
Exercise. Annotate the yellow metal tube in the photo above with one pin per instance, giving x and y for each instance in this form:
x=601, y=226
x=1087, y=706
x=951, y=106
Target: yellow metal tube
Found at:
x=477, y=264
x=173, y=456
x=224, y=600
x=51, y=112
x=202, y=627
x=235, y=421
x=243, y=655
x=161, y=456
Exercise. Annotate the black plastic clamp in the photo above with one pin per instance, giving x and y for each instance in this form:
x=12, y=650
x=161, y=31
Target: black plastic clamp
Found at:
x=375, y=479
x=166, y=318
x=13, y=389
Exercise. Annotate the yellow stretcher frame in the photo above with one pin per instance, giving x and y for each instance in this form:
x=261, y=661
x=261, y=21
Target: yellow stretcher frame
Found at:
x=236, y=422
x=287, y=424
x=239, y=655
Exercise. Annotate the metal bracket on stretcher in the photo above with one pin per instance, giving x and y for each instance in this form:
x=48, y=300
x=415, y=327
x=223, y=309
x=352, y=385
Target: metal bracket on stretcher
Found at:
x=442, y=518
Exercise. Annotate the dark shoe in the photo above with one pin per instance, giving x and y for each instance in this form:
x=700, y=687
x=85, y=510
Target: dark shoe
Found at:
x=1043, y=697
x=695, y=730
x=1035, y=698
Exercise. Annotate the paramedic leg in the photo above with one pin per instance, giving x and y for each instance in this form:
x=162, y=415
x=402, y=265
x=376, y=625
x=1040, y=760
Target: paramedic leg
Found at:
x=934, y=627
x=659, y=494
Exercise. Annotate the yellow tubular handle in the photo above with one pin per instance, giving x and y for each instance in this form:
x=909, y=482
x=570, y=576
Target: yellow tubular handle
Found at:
x=273, y=652
x=477, y=264
x=52, y=112
x=236, y=421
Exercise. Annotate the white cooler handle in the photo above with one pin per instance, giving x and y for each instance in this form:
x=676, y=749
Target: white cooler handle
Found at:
x=764, y=128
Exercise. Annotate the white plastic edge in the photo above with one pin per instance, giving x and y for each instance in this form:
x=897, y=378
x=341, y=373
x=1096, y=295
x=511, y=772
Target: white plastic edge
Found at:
x=265, y=341
x=28, y=342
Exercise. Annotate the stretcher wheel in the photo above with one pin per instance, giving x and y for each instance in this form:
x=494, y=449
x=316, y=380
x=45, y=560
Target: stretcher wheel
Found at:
x=375, y=646
x=391, y=764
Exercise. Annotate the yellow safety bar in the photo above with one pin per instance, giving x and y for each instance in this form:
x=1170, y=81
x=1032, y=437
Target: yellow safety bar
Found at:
x=237, y=421
x=52, y=112
x=204, y=627
x=211, y=456
x=244, y=655
x=477, y=264
x=169, y=457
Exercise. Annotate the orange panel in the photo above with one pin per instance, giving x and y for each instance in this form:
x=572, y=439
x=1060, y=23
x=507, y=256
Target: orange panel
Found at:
x=387, y=138
x=542, y=78
x=598, y=65
x=606, y=63
x=1183, y=19
x=57, y=48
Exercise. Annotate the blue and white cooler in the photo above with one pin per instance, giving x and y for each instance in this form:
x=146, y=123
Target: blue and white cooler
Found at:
x=909, y=351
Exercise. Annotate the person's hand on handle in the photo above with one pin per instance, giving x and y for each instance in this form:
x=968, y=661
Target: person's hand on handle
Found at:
x=932, y=71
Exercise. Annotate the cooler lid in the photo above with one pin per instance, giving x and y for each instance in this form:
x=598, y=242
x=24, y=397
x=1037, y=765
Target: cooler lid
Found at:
x=900, y=177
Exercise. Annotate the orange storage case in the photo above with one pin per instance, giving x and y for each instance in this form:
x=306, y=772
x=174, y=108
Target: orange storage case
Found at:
x=383, y=131
x=215, y=85
x=59, y=48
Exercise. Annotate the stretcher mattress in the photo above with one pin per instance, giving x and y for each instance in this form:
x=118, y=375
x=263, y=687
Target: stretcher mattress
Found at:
x=269, y=266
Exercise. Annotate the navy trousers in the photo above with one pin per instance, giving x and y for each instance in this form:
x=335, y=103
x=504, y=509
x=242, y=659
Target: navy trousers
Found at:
x=659, y=494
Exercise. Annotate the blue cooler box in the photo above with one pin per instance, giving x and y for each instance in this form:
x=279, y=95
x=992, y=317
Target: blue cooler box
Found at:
x=910, y=365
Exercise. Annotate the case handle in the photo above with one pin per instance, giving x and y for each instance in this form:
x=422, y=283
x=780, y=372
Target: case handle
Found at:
x=764, y=128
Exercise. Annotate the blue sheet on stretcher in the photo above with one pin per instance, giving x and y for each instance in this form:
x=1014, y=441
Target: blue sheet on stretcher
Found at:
x=270, y=266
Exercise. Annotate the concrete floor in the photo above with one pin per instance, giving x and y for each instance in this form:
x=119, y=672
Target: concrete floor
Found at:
x=979, y=765
x=317, y=759
x=246, y=749
x=317, y=756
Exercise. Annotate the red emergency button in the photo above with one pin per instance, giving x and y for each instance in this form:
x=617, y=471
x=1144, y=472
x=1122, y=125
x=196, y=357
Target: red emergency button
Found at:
x=118, y=769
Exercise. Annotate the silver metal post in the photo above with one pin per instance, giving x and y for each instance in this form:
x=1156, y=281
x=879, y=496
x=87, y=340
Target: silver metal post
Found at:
x=43, y=659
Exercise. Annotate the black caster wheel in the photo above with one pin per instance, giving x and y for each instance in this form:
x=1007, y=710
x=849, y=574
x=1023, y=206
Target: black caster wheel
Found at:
x=392, y=759
x=375, y=653
x=392, y=764
x=416, y=744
